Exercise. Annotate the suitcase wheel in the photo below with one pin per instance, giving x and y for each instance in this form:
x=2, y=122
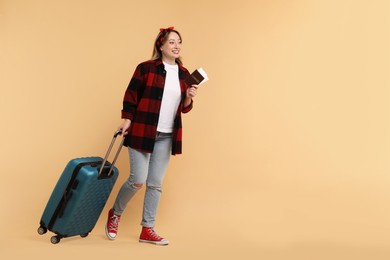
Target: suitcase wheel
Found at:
x=42, y=230
x=55, y=239
x=84, y=235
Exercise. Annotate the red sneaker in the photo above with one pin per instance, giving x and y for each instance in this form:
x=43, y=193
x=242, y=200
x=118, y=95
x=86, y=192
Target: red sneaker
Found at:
x=148, y=235
x=112, y=225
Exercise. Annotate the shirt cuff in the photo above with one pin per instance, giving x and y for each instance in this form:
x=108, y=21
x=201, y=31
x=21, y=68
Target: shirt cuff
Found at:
x=127, y=115
x=188, y=108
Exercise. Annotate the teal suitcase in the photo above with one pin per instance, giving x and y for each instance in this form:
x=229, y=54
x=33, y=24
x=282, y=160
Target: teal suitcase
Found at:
x=79, y=196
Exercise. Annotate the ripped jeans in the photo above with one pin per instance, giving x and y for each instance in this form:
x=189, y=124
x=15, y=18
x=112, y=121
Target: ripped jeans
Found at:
x=146, y=168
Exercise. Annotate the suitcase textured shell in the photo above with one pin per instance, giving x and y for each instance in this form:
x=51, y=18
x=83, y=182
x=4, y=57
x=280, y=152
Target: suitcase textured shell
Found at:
x=85, y=197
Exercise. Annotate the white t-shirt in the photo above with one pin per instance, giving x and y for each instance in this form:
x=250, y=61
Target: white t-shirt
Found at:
x=170, y=100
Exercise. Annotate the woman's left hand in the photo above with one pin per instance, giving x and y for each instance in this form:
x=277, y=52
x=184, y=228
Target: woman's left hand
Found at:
x=191, y=92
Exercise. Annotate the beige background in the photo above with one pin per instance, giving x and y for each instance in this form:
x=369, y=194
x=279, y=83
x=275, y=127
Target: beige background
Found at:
x=286, y=153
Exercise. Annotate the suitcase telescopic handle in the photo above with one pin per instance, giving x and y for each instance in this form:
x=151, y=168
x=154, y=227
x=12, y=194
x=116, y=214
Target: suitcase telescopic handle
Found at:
x=109, y=151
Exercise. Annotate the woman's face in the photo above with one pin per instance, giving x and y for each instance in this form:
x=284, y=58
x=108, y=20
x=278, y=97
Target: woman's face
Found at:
x=171, y=48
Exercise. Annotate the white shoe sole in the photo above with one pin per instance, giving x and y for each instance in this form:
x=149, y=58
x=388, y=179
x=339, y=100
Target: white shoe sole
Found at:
x=159, y=243
x=108, y=235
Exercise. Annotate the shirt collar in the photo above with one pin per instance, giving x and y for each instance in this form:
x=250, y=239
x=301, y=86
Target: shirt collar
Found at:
x=159, y=63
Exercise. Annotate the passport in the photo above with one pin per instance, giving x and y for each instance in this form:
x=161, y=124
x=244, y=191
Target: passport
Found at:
x=197, y=77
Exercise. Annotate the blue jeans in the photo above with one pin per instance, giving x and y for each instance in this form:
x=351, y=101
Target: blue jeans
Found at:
x=146, y=168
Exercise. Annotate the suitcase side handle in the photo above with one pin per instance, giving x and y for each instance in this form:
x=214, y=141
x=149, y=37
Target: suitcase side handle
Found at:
x=109, y=151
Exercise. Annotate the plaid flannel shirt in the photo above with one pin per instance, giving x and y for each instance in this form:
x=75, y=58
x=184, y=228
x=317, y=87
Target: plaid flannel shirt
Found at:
x=142, y=102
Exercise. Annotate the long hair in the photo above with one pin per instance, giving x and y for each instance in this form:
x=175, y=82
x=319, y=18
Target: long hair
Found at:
x=161, y=38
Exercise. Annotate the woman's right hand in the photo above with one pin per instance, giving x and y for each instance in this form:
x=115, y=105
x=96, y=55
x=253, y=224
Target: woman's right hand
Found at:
x=124, y=126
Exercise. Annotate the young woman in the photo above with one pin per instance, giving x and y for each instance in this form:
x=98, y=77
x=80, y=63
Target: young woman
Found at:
x=156, y=97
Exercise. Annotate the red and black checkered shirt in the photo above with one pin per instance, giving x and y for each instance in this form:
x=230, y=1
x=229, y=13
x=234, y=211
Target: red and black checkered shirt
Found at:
x=142, y=102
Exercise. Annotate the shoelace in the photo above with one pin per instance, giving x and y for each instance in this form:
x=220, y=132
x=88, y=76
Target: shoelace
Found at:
x=114, y=221
x=153, y=234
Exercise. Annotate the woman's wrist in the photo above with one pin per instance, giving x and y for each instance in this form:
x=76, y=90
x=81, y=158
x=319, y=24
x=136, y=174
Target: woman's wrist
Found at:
x=187, y=101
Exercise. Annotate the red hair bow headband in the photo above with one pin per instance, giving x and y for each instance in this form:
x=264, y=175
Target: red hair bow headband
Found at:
x=163, y=32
